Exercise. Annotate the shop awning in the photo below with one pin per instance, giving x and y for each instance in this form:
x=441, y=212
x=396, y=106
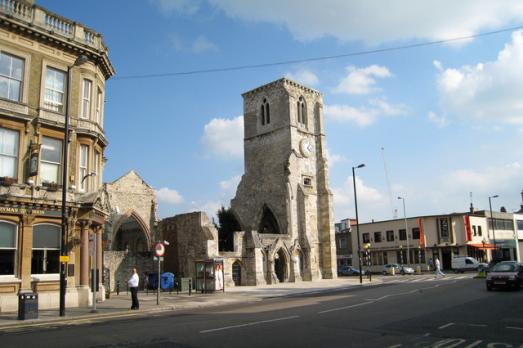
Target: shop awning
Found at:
x=486, y=246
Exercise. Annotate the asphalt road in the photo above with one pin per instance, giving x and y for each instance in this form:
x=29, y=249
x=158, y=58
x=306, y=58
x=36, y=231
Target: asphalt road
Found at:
x=416, y=311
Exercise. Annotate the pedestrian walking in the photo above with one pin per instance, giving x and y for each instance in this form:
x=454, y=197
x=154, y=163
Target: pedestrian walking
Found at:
x=438, y=268
x=431, y=264
x=133, y=285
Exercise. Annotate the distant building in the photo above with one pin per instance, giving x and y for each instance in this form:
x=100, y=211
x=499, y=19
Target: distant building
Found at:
x=342, y=233
x=419, y=239
x=37, y=49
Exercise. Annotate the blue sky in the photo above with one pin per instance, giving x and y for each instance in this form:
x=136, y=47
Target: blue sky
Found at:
x=449, y=116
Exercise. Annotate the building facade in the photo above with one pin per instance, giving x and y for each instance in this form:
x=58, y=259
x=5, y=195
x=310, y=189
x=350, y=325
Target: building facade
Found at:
x=130, y=231
x=38, y=51
x=342, y=232
x=415, y=241
x=283, y=201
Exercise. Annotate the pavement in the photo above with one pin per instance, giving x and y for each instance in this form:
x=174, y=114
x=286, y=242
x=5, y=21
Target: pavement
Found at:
x=118, y=306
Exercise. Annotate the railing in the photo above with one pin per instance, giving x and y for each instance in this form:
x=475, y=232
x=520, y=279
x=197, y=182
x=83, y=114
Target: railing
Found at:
x=17, y=9
x=58, y=24
x=38, y=17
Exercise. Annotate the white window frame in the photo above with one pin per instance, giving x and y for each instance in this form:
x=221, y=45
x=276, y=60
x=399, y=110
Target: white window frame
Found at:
x=10, y=156
x=87, y=87
x=99, y=105
x=10, y=78
x=83, y=167
x=58, y=164
x=15, y=263
x=52, y=104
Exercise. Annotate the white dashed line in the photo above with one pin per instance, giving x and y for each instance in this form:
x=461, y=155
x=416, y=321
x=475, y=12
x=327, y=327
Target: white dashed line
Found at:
x=513, y=328
x=445, y=326
x=346, y=307
x=249, y=324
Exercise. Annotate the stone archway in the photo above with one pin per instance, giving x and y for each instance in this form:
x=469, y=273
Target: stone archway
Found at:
x=130, y=233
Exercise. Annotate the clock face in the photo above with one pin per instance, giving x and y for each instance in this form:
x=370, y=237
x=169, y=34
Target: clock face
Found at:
x=306, y=147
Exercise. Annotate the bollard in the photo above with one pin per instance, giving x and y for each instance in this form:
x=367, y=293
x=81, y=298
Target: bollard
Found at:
x=117, y=288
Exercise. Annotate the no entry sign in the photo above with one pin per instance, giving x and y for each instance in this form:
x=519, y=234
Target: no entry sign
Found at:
x=159, y=249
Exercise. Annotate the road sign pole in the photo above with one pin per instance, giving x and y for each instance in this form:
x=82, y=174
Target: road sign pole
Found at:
x=158, y=284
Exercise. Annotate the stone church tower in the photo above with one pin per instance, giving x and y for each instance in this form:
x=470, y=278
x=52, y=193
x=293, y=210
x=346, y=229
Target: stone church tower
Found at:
x=283, y=202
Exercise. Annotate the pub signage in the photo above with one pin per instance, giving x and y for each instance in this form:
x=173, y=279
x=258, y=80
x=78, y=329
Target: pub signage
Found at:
x=29, y=211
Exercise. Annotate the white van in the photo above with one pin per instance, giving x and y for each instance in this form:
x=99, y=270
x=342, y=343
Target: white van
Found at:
x=465, y=263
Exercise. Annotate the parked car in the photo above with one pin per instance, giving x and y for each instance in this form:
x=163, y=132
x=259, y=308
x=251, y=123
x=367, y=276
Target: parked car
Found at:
x=401, y=269
x=507, y=274
x=349, y=271
x=466, y=263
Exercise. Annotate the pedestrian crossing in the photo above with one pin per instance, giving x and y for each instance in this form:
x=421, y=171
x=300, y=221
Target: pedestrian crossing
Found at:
x=425, y=278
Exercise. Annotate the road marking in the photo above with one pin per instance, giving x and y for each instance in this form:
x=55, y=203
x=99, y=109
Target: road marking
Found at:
x=346, y=307
x=474, y=344
x=249, y=324
x=427, y=334
x=445, y=326
x=513, y=328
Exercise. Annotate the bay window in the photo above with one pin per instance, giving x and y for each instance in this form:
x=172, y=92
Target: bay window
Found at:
x=11, y=76
x=8, y=152
x=51, y=160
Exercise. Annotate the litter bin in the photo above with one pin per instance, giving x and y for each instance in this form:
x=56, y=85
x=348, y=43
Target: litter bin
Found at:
x=167, y=281
x=27, y=305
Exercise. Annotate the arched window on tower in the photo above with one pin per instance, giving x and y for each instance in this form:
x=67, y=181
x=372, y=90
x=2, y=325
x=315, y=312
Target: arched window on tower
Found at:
x=301, y=109
x=265, y=112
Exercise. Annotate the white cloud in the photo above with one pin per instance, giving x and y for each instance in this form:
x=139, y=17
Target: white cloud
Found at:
x=362, y=80
x=439, y=121
x=186, y=7
x=224, y=137
x=169, y=196
x=489, y=91
x=369, y=198
x=366, y=115
x=305, y=77
x=209, y=207
x=333, y=158
x=228, y=186
x=490, y=179
x=376, y=21
x=202, y=44
x=199, y=45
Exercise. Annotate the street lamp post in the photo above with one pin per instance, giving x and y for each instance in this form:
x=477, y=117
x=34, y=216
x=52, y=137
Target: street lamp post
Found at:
x=492, y=222
x=406, y=229
x=357, y=221
x=63, y=250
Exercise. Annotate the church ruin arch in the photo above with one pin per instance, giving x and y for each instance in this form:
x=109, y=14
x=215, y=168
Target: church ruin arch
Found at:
x=131, y=234
x=268, y=223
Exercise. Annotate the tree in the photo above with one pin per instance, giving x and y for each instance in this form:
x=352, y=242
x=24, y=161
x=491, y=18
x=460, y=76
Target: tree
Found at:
x=228, y=225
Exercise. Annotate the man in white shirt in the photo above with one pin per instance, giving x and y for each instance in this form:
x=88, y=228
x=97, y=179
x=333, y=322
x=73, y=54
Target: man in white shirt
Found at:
x=133, y=285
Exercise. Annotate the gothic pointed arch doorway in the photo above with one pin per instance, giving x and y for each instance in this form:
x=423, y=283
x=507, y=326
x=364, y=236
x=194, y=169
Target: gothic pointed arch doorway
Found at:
x=280, y=266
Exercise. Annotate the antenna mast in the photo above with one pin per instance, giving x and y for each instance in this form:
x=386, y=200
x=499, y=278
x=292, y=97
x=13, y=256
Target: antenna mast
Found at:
x=394, y=211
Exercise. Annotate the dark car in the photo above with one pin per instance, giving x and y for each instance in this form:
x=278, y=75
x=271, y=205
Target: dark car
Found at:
x=349, y=271
x=506, y=274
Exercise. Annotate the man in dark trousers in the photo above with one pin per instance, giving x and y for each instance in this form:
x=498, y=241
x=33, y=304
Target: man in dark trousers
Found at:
x=133, y=285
